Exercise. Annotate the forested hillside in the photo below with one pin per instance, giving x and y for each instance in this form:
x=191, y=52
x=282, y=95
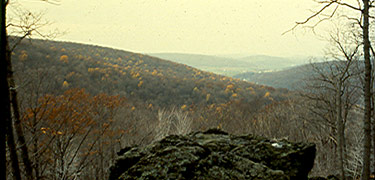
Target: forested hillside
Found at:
x=69, y=108
x=291, y=78
x=135, y=76
x=82, y=103
x=91, y=101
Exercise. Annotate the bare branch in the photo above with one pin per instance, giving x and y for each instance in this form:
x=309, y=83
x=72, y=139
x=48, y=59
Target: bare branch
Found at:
x=327, y=4
x=317, y=13
x=27, y=24
x=313, y=16
x=54, y=2
x=341, y=4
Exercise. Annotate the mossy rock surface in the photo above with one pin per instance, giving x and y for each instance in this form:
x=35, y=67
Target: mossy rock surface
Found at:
x=215, y=154
x=330, y=177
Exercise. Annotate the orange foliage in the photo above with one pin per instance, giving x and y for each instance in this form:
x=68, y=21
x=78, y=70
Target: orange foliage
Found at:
x=64, y=58
x=65, y=84
x=140, y=83
x=154, y=72
x=23, y=56
x=70, y=74
x=72, y=112
x=230, y=86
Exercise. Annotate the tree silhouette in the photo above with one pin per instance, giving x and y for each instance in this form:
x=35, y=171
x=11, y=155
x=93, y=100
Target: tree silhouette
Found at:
x=9, y=101
x=328, y=10
x=5, y=101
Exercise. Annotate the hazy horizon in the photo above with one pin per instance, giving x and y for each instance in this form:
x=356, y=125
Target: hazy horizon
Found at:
x=185, y=26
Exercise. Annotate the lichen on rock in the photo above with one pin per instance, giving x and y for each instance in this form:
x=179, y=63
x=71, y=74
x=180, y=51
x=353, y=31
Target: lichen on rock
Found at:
x=215, y=154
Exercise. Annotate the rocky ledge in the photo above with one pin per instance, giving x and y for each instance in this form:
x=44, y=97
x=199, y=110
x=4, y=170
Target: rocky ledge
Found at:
x=215, y=154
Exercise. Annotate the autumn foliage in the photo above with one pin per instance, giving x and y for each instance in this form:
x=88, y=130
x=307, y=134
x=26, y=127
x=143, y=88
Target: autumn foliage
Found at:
x=66, y=130
x=77, y=118
x=135, y=76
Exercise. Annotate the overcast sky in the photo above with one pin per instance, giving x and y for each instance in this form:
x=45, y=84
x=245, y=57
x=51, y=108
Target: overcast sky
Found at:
x=187, y=26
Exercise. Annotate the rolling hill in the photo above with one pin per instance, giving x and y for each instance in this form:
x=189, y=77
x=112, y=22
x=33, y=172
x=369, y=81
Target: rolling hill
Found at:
x=219, y=65
x=205, y=61
x=136, y=76
x=273, y=63
x=232, y=65
x=290, y=78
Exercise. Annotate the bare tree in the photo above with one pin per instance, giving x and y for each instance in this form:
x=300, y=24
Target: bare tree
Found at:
x=28, y=24
x=333, y=91
x=5, y=101
x=367, y=90
x=172, y=122
x=328, y=10
x=355, y=137
x=10, y=104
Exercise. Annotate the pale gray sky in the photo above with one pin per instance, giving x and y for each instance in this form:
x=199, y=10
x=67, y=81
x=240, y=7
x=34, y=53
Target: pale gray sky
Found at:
x=187, y=26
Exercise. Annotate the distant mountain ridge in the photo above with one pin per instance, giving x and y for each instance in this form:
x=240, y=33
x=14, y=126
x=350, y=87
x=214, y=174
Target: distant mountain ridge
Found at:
x=198, y=60
x=230, y=66
x=272, y=63
x=289, y=78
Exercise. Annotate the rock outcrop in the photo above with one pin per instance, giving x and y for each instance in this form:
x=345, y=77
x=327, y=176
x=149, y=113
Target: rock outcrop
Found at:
x=330, y=177
x=214, y=154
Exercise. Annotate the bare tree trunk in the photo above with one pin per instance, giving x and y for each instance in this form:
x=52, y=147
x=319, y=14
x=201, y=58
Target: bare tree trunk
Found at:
x=36, y=151
x=7, y=128
x=5, y=104
x=367, y=94
x=341, y=131
x=373, y=130
x=8, y=124
x=12, y=150
x=17, y=121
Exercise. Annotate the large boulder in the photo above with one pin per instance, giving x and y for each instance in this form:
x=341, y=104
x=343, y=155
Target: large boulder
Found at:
x=214, y=154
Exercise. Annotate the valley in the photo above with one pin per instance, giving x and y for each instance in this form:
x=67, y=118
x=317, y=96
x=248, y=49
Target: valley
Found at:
x=231, y=65
x=109, y=99
x=187, y=90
